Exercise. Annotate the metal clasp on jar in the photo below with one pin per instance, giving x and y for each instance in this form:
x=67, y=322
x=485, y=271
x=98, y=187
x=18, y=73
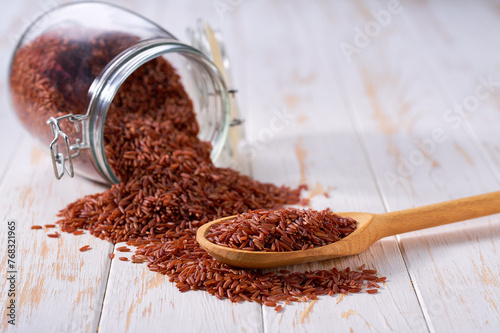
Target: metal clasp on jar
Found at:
x=63, y=161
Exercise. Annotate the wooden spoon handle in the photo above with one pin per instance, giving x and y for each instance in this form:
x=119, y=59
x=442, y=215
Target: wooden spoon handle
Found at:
x=393, y=223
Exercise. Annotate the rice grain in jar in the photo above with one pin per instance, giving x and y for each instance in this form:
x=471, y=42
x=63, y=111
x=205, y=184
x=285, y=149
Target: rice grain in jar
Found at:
x=70, y=64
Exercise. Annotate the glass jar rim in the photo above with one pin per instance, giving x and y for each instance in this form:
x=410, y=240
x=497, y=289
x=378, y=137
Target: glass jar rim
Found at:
x=106, y=85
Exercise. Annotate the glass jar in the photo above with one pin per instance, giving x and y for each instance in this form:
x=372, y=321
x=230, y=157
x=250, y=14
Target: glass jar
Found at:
x=69, y=65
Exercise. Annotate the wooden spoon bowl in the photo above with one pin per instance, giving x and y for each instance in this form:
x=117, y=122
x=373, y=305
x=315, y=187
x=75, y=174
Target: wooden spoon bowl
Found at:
x=370, y=228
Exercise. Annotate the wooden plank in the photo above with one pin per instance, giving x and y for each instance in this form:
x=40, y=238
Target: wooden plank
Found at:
x=393, y=89
x=58, y=288
x=10, y=131
x=467, y=67
x=317, y=145
x=138, y=299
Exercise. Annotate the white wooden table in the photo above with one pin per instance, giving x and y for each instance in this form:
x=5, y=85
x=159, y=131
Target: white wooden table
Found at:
x=380, y=115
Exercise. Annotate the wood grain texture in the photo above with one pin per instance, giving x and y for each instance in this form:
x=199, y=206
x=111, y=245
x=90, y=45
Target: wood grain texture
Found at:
x=59, y=289
x=140, y=300
x=10, y=132
x=465, y=80
x=369, y=130
x=320, y=147
x=394, y=91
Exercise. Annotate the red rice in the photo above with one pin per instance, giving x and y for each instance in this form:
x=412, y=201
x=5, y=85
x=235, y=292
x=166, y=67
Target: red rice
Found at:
x=123, y=249
x=169, y=186
x=286, y=229
x=85, y=248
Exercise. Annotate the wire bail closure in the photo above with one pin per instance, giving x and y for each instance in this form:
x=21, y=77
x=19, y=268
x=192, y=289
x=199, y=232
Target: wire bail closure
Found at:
x=59, y=159
x=206, y=40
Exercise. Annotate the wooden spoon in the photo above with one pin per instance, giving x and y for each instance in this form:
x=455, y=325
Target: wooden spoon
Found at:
x=370, y=228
